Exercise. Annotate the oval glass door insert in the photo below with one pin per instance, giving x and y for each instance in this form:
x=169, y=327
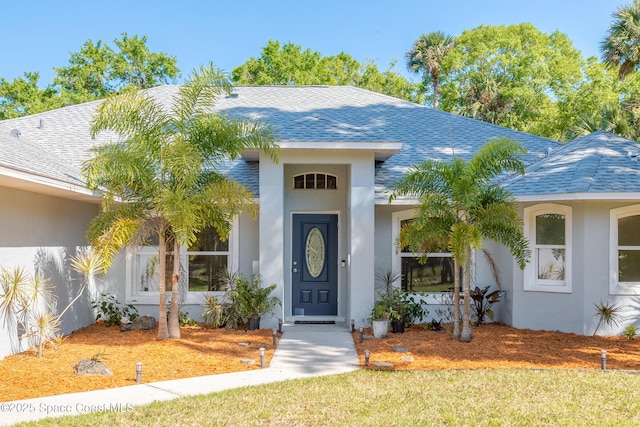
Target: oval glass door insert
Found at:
x=315, y=252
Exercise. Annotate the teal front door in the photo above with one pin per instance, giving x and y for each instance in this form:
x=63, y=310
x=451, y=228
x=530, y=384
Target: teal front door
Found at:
x=314, y=268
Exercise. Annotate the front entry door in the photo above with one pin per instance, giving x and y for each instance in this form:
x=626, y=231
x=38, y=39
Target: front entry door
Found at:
x=314, y=269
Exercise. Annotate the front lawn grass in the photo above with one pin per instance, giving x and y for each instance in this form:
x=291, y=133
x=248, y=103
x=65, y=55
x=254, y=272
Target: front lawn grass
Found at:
x=367, y=398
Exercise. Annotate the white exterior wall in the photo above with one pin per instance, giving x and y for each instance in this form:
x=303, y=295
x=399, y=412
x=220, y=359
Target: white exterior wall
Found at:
x=354, y=203
x=575, y=311
x=361, y=238
x=39, y=233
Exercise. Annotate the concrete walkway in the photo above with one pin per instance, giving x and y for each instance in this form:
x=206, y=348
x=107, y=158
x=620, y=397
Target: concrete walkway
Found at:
x=303, y=351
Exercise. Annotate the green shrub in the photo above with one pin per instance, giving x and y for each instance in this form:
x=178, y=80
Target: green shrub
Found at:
x=111, y=312
x=185, y=319
x=631, y=331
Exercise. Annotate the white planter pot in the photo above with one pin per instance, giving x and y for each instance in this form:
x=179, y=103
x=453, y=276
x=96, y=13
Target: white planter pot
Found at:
x=380, y=328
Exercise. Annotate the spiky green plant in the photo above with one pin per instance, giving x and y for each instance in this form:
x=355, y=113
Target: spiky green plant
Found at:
x=28, y=304
x=20, y=294
x=45, y=326
x=213, y=311
x=610, y=314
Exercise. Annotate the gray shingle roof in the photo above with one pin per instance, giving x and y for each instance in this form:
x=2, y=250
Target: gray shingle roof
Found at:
x=298, y=114
x=597, y=163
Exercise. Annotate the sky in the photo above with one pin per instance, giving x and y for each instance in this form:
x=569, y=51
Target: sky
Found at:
x=41, y=34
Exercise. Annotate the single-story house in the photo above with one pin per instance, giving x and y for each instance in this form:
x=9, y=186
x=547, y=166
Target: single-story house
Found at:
x=325, y=224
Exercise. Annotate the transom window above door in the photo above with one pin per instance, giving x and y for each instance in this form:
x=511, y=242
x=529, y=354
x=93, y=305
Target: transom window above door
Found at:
x=315, y=181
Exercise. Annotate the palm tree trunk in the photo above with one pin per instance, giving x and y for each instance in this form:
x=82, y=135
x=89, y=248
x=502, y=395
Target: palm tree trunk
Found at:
x=163, y=332
x=466, y=313
x=174, y=310
x=435, y=93
x=456, y=299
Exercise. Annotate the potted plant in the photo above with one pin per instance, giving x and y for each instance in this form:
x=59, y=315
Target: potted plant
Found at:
x=401, y=308
x=252, y=299
x=380, y=315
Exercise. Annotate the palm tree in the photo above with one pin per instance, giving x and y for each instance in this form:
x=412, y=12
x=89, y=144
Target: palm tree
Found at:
x=161, y=182
x=611, y=118
x=621, y=47
x=426, y=56
x=459, y=205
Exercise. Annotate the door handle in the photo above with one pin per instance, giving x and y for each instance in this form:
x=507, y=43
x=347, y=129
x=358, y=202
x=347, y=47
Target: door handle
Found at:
x=295, y=270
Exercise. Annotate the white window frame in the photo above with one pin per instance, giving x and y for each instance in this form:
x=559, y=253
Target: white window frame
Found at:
x=397, y=255
x=315, y=180
x=531, y=281
x=615, y=287
x=135, y=296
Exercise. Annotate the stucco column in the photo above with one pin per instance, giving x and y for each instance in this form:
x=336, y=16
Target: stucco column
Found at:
x=271, y=225
x=361, y=240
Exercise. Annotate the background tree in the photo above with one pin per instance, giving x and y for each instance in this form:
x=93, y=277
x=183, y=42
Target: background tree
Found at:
x=94, y=72
x=289, y=64
x=165, y=173
x=621, y=46
x=98, y=70
x=427, y=55
x=459, y=205
x=22, y=97
x=511, y=76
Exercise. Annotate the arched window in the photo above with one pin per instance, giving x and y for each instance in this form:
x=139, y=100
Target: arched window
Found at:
x=315, y=181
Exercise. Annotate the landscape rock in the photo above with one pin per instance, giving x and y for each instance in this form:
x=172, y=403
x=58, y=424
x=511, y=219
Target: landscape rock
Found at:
x=142, y=323
x=91, y=367
x=400, y=349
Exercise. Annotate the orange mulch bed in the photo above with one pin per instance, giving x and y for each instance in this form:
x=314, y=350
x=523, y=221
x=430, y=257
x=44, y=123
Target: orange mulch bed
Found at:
x=200, y=351
x=203, y=351
x=499, y=346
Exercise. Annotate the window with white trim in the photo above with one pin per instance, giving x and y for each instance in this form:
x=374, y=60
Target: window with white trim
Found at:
x=548, y=229
x=204, y=262
x=208, y=258
x=625, y=250
x=436, y=275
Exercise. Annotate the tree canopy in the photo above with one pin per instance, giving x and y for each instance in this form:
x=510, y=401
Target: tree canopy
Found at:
x=94, y=72
x=621, y=46
x=510, y=76
x=290, y=64
x=427, y=55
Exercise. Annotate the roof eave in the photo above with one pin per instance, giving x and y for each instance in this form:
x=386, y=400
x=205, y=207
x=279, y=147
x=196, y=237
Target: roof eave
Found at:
x=593, y=196
x=22, y=180
x=382, y=150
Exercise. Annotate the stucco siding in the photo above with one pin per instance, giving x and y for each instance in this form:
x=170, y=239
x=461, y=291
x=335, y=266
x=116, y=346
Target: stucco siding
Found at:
x=590, y=271
x=40, y=233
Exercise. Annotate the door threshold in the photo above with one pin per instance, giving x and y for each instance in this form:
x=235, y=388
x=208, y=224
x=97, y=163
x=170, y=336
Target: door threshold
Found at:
x=314, y=322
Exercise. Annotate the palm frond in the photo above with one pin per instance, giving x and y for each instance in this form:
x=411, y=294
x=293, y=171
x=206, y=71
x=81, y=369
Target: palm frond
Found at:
x=199, y=93
x=133, y=116
x=497, y=156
